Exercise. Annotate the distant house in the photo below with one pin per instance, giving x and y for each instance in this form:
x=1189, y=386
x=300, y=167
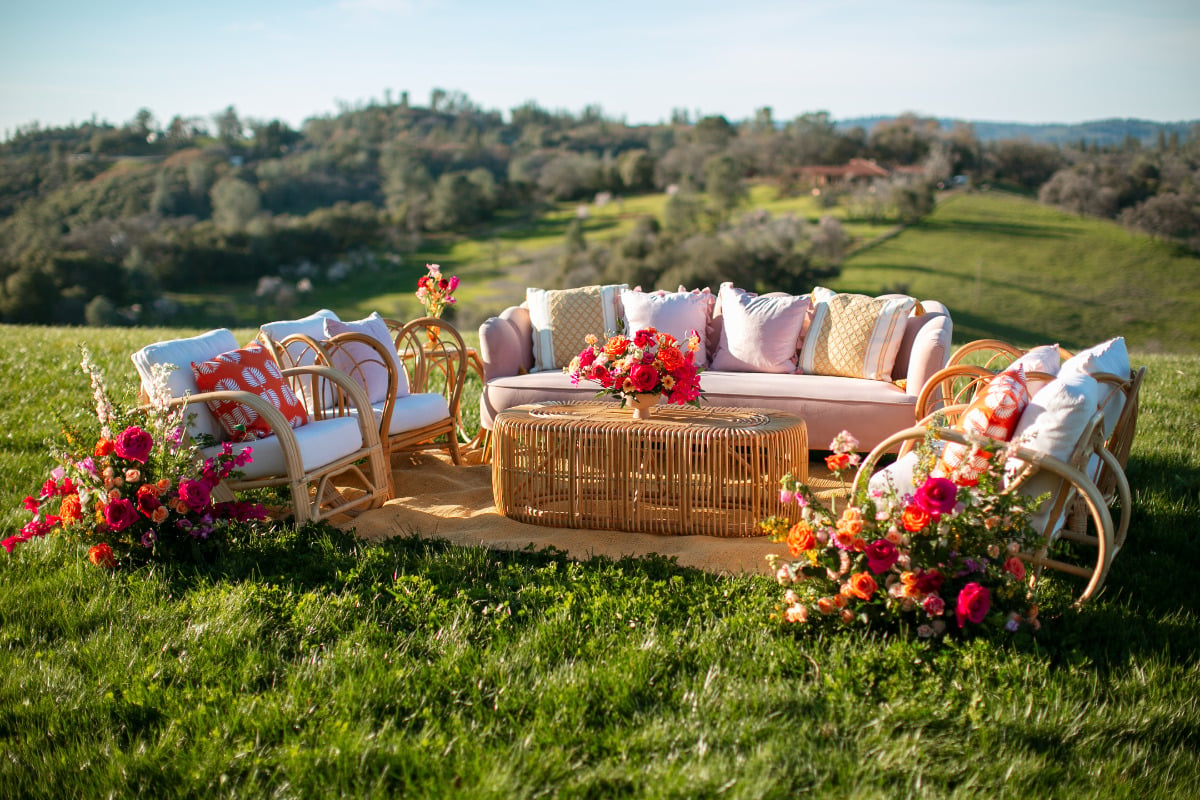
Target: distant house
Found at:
x=853, y=171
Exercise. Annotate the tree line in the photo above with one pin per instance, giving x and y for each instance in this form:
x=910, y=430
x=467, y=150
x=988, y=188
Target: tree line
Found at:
x=97, y=220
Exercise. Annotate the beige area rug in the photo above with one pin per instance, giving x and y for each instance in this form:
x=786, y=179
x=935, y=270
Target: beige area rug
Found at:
x=436, y=499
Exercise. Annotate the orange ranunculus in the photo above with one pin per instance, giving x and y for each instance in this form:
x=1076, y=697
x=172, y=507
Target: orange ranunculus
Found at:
x=800, y=538
x=837, y=462
x=103, y=448
x=70, y=509
x=862, y=585
x=670, y=357
x=914, y=518
x=851, y=522
x=102, y=555
x=616, y=346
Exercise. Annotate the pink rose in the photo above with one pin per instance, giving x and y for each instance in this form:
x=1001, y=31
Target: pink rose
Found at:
x=881, y=555
x=933, y=605
x=937, y=496
x=119, y=514
x=644, y=378
x=973, y=603
x=194, y=494
x=134, y=444
x=1015, y=567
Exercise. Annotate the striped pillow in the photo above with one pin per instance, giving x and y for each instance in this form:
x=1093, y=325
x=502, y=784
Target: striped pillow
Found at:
x=562, y=318
x=853, y=335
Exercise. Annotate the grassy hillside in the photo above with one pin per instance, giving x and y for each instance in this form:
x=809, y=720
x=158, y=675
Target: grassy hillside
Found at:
x=1010, y=268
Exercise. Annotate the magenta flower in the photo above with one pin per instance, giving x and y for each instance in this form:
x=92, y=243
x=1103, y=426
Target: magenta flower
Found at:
x=881, y=555
x=196, y=495
x=937, y=496
x=119, y=514
x=134, y=444
x=973, y=603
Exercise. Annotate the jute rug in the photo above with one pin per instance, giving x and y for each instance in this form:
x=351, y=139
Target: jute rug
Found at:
x=436, y=499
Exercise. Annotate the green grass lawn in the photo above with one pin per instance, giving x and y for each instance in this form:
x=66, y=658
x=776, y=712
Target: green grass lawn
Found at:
x=305, y=663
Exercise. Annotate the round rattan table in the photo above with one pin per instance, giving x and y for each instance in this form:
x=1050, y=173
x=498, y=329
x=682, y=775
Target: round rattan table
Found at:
x=685, y=470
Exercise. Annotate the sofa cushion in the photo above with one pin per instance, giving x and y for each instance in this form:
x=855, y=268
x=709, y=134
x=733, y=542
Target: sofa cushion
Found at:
x=180, y=381
x=853, y=335
x=994, y=413
x=759, y=333
x=312, y=326
x=371, y=373
x=677, y=313
x=1106, y=358
x=562, y=318
x=321, y=442
x=248, y=369
x=1044, y=359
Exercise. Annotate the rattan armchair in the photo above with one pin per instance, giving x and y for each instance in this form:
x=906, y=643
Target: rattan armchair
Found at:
x=331, y=466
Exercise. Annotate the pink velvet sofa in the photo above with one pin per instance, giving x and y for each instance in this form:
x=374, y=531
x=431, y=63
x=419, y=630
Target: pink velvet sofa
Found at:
x=871, y=410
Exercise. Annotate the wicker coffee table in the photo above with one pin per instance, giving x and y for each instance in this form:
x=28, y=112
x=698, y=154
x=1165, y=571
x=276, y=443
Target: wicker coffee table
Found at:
x=711, y=470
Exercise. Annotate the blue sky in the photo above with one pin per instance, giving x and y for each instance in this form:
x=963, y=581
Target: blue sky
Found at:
x=63, y=61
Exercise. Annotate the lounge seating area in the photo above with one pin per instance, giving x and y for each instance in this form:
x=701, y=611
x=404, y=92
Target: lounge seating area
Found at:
x=327, y=404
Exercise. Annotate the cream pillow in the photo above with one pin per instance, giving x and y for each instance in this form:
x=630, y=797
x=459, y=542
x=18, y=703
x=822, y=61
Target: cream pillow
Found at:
x=562, y=319
x=759, y=333
x=1110, y=358
x=854, y=336
x=1044, y=358
x=676, y=313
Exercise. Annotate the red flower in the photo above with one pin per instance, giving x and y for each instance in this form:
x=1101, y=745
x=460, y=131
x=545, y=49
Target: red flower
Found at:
x=103, y=448
x=881, y=555
x=1015, y=567
x=196, y=495
x=102, y=555
x=119, y=514
x=837, y=461
x=928, y=582
x=134, y=444
x=644, y=378
x=937, y=496
x=973, y=603
x=645, y=337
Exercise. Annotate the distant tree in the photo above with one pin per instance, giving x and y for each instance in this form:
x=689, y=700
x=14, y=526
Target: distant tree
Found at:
x=636, y=169
x=229, y=126
x=723, y=182
x=1021, y=162
x=234, y=203
x=1168, y=215
x=454, y=202
x=100, y=312
x=713, y=132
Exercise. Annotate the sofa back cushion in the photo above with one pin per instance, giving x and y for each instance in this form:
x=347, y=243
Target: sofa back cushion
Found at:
x=178, y=354
x=677, y=313
x=312, y=326
x=562, y=318
x=853, y=335
x=759, y=333
x=1106, y=358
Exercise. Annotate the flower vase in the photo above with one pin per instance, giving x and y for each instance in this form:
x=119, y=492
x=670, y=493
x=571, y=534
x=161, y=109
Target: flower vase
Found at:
x=431, y=333
x=642, y=403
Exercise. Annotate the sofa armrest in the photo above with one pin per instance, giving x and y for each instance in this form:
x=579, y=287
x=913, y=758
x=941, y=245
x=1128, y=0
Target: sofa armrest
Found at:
x=930, y=350
x=502, y=349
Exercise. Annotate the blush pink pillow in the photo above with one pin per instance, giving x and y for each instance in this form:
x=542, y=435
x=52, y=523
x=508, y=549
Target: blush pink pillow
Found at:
x=676, y=313
x=374, y=374
x=759, y=333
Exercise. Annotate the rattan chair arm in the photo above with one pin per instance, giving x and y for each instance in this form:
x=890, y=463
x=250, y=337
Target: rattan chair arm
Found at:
x=355, y=391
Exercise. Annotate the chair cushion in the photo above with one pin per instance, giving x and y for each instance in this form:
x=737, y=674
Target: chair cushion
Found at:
x=853, y=335
x=372, y=374
x=416, y=411
x=248, y=369
x=1044, y=358
x=1111, y=358
x=759, y=333
x=312, y=326
x=180, y=353
x=994, y=412
x=320, y=442
x=677, y=313
x=562, y=318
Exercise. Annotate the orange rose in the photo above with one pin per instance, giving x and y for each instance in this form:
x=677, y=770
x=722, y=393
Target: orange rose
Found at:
x=70, y=510
x=616, y=346
x=103, y=448
x=837, y=461
x=800, y=538
x=827, y=605
x=670, y=357
x=914, y=518
x=862, y=585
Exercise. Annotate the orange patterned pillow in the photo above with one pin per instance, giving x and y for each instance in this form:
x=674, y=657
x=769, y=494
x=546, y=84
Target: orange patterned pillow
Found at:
x=250, y=369
x=994, y=413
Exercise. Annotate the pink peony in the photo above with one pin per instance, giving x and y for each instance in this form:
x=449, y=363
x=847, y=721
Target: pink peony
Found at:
x=196, y=495
x=881, y=555
x=937, y=496
x=134, y=444
x=973, y=603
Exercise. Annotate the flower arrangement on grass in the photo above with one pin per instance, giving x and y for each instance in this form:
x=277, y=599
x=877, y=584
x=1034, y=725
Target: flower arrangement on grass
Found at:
x=651, y=362
x=436, y=292
x=130, y=486
x=943, y=559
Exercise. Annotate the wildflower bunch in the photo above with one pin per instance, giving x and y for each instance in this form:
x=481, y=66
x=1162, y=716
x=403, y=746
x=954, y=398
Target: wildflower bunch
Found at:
x=436, y=292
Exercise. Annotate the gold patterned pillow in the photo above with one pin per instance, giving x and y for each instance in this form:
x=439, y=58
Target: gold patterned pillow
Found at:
x=853, y=335
x=562, y=318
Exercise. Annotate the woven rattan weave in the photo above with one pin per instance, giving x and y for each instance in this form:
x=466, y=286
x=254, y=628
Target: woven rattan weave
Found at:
x=712, y=471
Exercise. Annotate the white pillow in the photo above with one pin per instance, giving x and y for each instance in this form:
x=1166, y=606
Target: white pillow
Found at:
x=759, y=333
x=853, y=335
x=1053, y=423
x=1107, y=357
x=372, y=373
x=676, y=313
x=1044, y=358
x=562, y=318
x=181, y=381
x=312, y=326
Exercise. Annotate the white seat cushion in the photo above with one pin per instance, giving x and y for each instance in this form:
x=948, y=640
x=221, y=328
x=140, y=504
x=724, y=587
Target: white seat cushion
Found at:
x=415, y=411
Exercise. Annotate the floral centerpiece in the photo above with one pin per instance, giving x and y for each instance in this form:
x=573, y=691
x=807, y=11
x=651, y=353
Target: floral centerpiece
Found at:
x=436, y=292
x=649, y=363
x=131, y=486
x=940, y=560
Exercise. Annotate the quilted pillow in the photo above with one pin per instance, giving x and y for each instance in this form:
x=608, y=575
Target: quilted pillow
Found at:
x=250, y=369
x=994, y=413
x=676, y=313
x=371, y=373
x=562, y=319
x=854, y=336
x=759, y=333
